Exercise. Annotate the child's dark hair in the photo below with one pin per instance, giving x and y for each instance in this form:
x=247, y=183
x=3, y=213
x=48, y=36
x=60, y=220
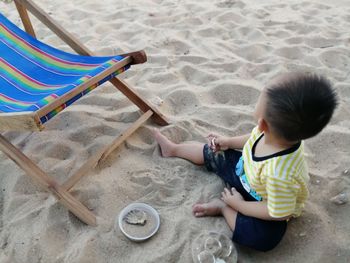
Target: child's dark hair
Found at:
x=301, y=106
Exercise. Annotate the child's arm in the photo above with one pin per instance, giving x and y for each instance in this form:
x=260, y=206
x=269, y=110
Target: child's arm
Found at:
x=238, y=142
x=253, y=209
x=224, y=143
x=258, y=210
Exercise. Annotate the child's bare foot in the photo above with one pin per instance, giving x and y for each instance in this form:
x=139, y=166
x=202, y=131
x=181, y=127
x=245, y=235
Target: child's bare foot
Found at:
x=212, y=208
x=166, y=146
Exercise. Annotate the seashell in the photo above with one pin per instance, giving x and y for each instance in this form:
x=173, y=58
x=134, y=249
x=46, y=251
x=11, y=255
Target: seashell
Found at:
x=340, y=199
x=157, y=101
x=302, y=234
x=136, y=217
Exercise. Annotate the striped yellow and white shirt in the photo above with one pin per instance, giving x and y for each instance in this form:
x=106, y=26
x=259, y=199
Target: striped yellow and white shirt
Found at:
x=280, y=179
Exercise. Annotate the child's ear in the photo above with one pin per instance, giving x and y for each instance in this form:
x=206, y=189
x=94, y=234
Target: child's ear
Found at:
x=262, y=125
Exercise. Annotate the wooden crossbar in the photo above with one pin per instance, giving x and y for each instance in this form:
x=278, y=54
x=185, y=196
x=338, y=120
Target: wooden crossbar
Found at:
x=20, y=121
x=67, y=96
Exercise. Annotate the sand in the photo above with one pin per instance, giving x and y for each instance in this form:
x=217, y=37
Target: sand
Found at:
x=208, y=61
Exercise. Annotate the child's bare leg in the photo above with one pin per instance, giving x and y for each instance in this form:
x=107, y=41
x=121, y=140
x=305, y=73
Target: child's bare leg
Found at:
x=189, y=151
x=214, y=208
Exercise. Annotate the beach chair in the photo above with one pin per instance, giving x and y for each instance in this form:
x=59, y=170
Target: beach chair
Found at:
x=38, y=81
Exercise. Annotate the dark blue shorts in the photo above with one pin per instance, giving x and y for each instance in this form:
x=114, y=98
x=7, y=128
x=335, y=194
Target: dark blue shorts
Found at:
x=252, y=232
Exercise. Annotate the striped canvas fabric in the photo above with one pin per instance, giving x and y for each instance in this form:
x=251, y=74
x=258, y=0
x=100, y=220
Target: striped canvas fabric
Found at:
x=33, y=74
x=281, y=180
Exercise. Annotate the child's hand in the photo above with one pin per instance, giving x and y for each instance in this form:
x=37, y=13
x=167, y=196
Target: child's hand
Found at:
x=231, y=198
x=218, y=142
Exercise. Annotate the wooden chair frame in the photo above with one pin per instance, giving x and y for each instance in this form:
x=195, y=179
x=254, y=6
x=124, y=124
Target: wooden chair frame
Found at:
x=31, y=121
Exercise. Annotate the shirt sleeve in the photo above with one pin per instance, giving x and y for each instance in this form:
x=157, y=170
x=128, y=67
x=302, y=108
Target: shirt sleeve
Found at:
x=281, y=197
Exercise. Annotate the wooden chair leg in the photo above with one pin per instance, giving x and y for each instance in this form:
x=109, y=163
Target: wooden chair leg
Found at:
x=22, y=11
x=38, y=175
x=132, y=95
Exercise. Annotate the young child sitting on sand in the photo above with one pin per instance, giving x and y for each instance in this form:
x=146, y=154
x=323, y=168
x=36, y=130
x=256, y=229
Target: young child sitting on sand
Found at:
x=267, y=180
